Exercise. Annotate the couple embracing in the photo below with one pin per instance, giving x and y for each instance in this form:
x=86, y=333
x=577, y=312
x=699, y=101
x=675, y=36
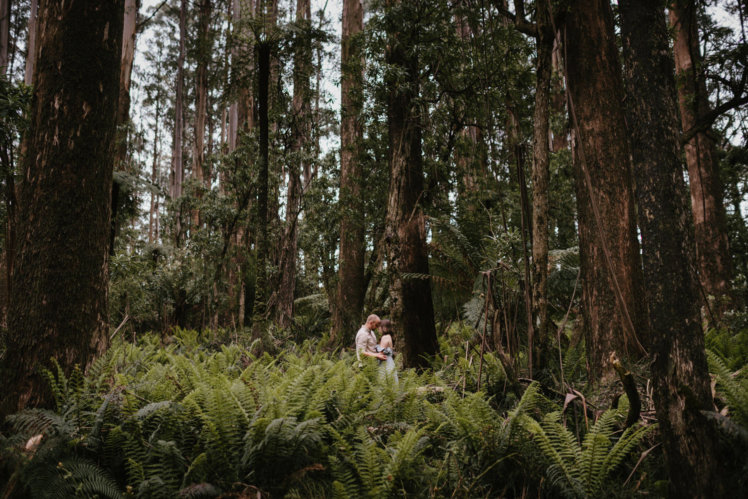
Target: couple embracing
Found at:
x=366, y=344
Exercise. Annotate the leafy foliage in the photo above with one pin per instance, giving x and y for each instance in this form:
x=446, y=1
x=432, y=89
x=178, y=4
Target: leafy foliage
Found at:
x=183, y=419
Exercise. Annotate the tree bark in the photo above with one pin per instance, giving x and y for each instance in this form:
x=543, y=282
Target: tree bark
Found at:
x=59, y=303
x=541, y=176
x=710, y=222
x=300, y=149
x=4, y=35
x=351, y=287
x=31, y=44
x=679, y=367
x=612, y=305
x=405, y=227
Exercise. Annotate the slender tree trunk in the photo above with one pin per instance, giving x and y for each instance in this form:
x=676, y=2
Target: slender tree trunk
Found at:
x=710, y=223
x=612, y=303
x=300, y=149
x=4, y=35
x=405, y=233
x=59, y=303
x=152, y=217
x=177, y=162
x=351, y=288
x=31, y=44
x=204, y=47
x=679, y=370
x=541, y=176
x=263, y=77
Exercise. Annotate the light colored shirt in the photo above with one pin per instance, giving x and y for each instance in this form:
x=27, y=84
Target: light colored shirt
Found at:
x=366, y=341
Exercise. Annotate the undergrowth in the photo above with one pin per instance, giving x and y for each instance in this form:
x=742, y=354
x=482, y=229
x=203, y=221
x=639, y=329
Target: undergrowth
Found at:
x=183, y=419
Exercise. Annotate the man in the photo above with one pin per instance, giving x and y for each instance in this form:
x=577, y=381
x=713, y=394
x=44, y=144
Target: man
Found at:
x=366, y=340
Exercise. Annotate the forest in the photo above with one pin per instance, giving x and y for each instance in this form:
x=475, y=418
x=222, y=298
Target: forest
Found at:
x=218, y=214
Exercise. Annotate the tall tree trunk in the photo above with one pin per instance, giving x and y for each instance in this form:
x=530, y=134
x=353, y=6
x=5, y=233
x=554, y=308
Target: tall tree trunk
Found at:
x=710, y=223
x=177, y=162
x=300, y=149
x=263, y=80
x=59, y=304
x=612, y=303
x=541, y=176
x=679, y=370
x=123, y=106
x=31, y=44
x=204, y=47
x=405, y=234
x=153, y=212
x=351, y=288
x=4, y=35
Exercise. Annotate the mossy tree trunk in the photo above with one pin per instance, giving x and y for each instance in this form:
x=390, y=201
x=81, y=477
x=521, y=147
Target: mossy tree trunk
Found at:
x=679, y=368
x=612, y=299
x=59, y=304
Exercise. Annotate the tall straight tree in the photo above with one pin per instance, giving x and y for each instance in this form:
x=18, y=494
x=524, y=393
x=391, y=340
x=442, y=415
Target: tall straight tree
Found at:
x=300, y=146
x=411, y=306
x=351, y=284
x=612, y=299
x=123, y=108
x=59, y=305
x=4, y=35
x=709, y=219
x=544, y=34
x=177, y=159
x=677, y=342
x=204, y=45
x=31, y=44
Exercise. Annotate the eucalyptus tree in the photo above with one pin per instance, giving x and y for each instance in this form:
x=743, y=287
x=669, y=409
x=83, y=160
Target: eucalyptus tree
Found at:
x=351, y=287
x=59, y=303
x=612, y=297
x=677, y=341
x=709, y=219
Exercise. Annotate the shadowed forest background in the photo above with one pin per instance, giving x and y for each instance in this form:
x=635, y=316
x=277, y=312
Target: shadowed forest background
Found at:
x=202, y=200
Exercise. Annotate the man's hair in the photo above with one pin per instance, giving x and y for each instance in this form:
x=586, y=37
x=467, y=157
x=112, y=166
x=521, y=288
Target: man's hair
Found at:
x=372, y=318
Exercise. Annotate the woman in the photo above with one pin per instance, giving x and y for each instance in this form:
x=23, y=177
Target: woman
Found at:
x=385, y=347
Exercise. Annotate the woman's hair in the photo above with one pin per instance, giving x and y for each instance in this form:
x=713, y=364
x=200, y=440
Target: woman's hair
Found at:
x=385, y=326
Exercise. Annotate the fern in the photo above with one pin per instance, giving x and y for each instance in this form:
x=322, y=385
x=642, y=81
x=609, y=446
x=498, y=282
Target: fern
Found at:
x=733, y=387
x=580, y=470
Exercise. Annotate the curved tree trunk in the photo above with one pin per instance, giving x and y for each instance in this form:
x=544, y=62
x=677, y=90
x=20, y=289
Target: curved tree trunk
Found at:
x=59, y=305
x=677, y=344
x=612, y=302
x=351, y=290
x=405, y=228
